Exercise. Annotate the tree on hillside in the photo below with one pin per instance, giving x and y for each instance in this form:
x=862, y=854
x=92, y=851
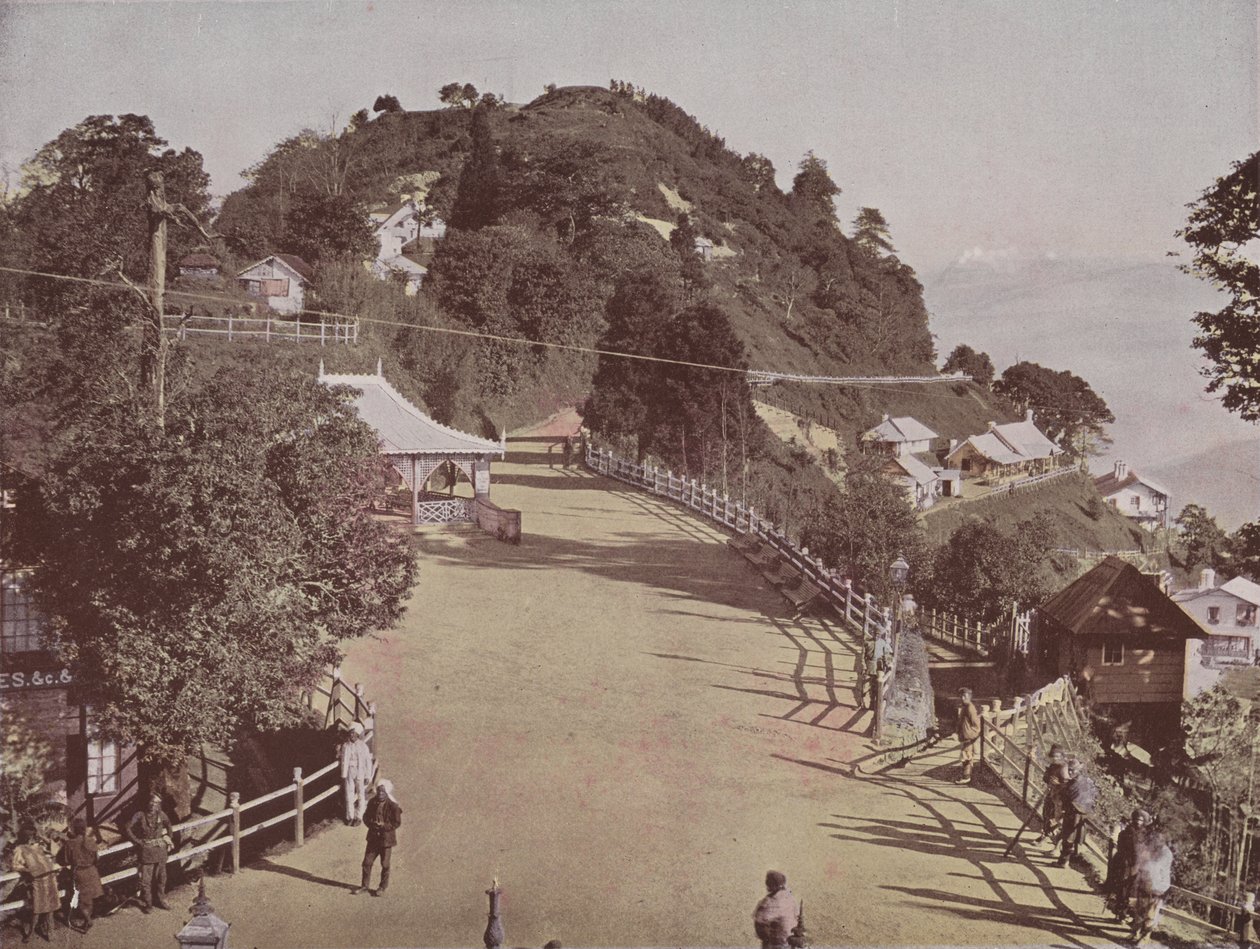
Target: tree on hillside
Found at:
x=812, y=187
x=1244, y=551
x=977, y=365
x=83, y=208
x=458, y=96
x=1223, y=223
x=197, y=577
x=865, y=528
x=386, y=103
x=1201, y=539
x=683, y=241
x=759, y=171
x=477, y=199
x=1064, y=406
x=870, y=231
x=327, y=228
x=569, y=184
x=982, y=572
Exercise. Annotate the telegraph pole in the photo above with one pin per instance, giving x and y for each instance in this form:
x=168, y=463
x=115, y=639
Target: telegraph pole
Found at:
x=153, y=345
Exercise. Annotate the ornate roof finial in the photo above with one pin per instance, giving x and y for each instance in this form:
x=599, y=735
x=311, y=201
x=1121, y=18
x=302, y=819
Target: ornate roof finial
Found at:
x=378, y=367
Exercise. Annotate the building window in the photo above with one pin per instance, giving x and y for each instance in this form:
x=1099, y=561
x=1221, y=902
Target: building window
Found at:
x=1246, y=615
x=1113, y=652
x=20, y=622
x=102, y=766
x=1214, y=615
x=1136, y=501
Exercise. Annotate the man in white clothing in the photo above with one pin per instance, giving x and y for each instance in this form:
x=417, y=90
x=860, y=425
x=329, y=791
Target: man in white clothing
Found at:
x=356, y=772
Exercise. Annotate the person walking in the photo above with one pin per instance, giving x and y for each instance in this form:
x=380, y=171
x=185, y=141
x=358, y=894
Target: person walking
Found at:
x=1118, y=885
x=356, y=772
x=35, y=864
x=150, y=830
x=568, y=451
x=968, y=734
x=777, y=913
x=1054, y=777
x=81, y=851
x=383, y=817
x=1078, y=795
x=1152, y=879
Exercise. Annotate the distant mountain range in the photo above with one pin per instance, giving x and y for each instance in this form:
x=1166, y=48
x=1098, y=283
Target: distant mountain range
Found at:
x=1125, y=327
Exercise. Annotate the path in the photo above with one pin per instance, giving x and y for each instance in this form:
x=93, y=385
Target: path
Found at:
x=619, y=721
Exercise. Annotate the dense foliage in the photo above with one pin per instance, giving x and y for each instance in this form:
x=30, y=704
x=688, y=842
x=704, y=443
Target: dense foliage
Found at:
x=1223, y=225
x=977, y=365
x=1064, y=406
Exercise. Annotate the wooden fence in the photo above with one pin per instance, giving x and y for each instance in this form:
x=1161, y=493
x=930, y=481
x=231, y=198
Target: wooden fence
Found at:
x=225, y=829
x=1014, y=746
x=861, y=612
x=264, y=328
x=975, y=635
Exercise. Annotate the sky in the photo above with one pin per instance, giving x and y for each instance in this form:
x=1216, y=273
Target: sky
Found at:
x=1071, y=128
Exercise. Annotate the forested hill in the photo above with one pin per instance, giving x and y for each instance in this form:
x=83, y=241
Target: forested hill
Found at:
x=552, y=204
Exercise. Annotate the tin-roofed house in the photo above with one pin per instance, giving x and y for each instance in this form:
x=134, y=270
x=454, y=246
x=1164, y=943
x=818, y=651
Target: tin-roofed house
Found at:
x=899, y=437
x=281, y=280
x=1122, y=640
x=1006, y=451
x=1135, y=496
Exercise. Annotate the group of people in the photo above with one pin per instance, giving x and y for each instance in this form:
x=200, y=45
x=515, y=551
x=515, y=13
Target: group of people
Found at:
x=380, y=813
x=33, y=860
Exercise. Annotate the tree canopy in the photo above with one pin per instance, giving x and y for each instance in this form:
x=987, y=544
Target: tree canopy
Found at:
x=977, y=365
x=1202, y=541
x=323, y=229
x=477, y=200
x=813, y=186
x=1064, y=406
x=870, y=231
x=196, y=577
x=1223, y=226
x=458, y=96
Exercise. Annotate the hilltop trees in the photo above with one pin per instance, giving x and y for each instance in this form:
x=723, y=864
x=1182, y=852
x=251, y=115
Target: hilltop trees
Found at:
x=1063, y=405
x=196, y=577
x=1202, y=540
x=977, y=365
x=870, y=232
x=458, y=96
x=1222, y=224
x=812, y=187
x=386, y=103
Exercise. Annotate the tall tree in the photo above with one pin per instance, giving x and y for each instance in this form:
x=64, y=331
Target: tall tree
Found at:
x=812, y=187
x=1223, y=223
x=324, y=229
x=195, y=578
x=477, y=200
x=386, y=103
x=1202, y=540
x=977, y=365
x=1063, y=405
x=870, y=231
x=1244, y=551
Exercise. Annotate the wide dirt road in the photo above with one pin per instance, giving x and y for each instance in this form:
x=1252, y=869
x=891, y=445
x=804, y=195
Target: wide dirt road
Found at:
x=618, y=720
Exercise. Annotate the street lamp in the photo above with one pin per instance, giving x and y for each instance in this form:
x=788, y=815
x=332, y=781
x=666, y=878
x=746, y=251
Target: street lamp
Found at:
x=899, y=570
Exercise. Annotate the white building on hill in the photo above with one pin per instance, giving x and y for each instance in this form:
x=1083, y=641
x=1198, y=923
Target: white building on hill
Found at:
x=1135, y=496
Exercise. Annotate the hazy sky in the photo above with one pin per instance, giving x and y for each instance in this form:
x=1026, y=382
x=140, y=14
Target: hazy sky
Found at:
x=1066, y=127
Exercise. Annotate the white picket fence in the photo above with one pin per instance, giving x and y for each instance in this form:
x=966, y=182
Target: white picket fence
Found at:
x=974, y=635
x=266, y=329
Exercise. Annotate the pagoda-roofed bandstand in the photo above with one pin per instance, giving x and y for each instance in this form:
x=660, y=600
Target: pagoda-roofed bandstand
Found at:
x=417, y=446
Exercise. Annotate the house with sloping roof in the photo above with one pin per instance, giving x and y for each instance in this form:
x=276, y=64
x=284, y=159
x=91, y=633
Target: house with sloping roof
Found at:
x=1136, y=497
x=1227, y=614
x=200, y=266
x=399, y=226
x=1121, y=639
x=1010, y=450
x=921, y=484
x=281, y=280
x=899, y=436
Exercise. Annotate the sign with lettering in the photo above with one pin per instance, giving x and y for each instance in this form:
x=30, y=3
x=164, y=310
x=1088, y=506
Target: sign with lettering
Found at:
x=35, y=679
x=481, y=487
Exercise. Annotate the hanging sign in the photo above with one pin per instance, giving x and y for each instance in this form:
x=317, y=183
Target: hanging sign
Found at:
x=35, y=679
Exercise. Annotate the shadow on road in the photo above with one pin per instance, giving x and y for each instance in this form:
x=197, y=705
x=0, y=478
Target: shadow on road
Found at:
x=271, y=867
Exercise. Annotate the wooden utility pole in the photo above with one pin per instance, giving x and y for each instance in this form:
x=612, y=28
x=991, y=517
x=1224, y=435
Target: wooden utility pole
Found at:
x=153, y=346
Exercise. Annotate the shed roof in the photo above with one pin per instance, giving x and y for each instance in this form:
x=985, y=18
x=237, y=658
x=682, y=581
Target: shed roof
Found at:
x=915, y=469
x=291, y=261
x=402, y=428
x=198, y=260
x=1244, y=589
x=1109, y=484
x=1116, y=599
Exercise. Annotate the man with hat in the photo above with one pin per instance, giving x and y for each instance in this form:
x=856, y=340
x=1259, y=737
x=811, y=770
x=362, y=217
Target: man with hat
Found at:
x=968, y=734
x=383, y=817
x=356, y=772
x=776, y=914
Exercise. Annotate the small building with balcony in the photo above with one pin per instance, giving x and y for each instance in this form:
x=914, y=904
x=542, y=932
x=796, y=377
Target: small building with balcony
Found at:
x=1227, y=614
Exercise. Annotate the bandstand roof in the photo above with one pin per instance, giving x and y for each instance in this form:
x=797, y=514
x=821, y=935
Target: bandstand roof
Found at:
x=402, y=428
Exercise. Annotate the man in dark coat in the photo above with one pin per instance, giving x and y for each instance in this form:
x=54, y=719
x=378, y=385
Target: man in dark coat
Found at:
x=1054, y=777
x=1117, y=887
x=150, y=830
x=776, y=914
x=1078, y=795
x=383, y=817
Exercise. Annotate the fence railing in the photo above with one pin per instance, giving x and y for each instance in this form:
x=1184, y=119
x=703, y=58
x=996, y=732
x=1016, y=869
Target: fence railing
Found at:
x=225, y=829
x=1014, y=746
x=975, y=635
x=264, y=328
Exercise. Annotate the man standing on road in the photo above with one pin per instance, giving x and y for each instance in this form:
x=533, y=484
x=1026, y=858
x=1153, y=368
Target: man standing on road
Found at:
x=151, y=832
x=1152, y=879
x=1078, y=795
x=1054, y=777
x=356, y=772
x=968, y=734
x=383, y=817
x=776, y=914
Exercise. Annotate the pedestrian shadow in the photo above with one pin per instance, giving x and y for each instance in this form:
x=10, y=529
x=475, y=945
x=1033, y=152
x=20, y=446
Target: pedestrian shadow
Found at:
x=297, y=874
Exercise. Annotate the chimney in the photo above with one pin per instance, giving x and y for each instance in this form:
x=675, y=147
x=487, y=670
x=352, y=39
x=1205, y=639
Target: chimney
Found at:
x=885, y=418
x=1028, y=415
x=992, y=426
x=1121, y=470
x=1207, y=579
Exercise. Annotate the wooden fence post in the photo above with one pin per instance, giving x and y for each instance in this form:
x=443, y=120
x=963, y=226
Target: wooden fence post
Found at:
x=299, y=819
x=321, y=332
x=234, y=802
x=334, y=696
x=1028, y=754
x=359, y=703
x=229, y=326
x=267, y=330
x=369, y=728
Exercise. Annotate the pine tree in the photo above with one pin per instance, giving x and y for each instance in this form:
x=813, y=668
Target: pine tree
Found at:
x=477, y=200
x=870, y=231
